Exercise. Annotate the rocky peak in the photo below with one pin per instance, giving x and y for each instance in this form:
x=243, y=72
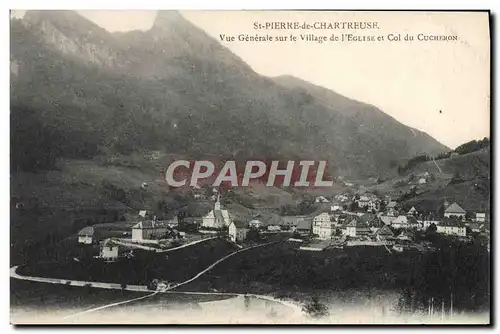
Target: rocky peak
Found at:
x=166, y=19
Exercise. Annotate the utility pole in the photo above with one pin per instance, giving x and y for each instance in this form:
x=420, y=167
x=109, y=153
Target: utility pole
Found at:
x=432, y=307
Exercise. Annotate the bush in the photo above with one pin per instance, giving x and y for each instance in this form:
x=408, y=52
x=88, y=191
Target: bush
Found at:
x=315, y=308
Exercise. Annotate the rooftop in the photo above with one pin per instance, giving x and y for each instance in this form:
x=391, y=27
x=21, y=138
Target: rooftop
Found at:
x=149, y=224
x=89, y=230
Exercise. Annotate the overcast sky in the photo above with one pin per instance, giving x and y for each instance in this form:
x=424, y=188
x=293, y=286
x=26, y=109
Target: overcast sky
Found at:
x=411, y=81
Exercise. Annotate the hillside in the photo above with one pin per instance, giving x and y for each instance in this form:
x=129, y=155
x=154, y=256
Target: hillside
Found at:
x=464, y=179
x=96, y=114
x=175, y=89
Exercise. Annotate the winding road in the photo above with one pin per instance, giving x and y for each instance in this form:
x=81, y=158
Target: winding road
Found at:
x=142, y=288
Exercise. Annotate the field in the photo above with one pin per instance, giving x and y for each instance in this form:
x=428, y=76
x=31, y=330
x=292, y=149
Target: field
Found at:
x=42, y=302
x=33, y=299
x=464, y=179
x=174, y=266
x=284, y=271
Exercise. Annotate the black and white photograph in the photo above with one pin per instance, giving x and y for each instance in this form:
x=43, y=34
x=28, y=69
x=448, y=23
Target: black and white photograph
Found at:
x=250, y=167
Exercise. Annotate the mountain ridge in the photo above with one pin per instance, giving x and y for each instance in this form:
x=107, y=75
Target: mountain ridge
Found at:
x=175, y=88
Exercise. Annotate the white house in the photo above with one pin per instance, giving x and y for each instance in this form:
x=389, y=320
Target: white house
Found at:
x=480, y=217
x=454, y=210
x=216, y=218
x=387, y=220
x=400, y=222
x=87, y=235
x=322, y=226
x=452, y=229
x=237, y=231
x=412, y=211
x=341, y=198
x=273, y=228
x=422, y=180
x=335, y=208
x=321, y=199
x=148, y=230
x=356, y=229
x=109, y=250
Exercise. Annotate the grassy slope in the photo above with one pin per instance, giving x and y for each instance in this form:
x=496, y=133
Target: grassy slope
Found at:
x=472, y=192
x=176, y=266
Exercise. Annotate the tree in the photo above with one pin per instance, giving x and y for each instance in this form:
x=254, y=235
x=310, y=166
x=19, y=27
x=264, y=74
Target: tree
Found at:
x=253, y=235
x=432, y=229
x=315, y=308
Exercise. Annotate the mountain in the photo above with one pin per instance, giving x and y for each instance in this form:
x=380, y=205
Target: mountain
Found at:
x=79, y=91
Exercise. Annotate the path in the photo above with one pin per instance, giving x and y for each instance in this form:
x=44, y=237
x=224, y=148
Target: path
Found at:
x=142, y=288
x=135, y=245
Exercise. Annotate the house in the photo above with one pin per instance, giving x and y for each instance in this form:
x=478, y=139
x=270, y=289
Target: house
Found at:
x=255, y=223
x=321, y=218
x=291, y=222
x=474, y=227
x=406, y=222
x=110, y=250
x=480, y=217
x=341, y=198
x=363, y=201
x=452, y=227
x=199, y=193
x=237, y=231
x=148, y=230
x=400, y=222
x=87, y=235
x=387, y=220
x=322, y=226
x=406, y=235
x=273, y=228
x=412, y=211
x=357, y=229
x=216, y=218
x=454, y=210
x=304, y=228
x=143, y=213
x=321, y=199
x=336, y=208
x=422, y=180
x=384, y=233
x=392, y=209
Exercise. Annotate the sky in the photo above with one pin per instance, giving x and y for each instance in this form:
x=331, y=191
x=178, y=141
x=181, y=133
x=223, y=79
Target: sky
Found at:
x=441, y=88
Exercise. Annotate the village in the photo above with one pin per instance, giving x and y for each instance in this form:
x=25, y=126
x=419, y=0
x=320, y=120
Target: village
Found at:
x=342, y=220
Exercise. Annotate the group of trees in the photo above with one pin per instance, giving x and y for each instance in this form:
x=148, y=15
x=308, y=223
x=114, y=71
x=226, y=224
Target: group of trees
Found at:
x=412, y=163
x=304, y=207
x=469, y=147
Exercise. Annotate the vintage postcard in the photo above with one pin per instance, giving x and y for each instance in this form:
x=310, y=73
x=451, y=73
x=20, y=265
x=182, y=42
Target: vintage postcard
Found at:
x=250, y=167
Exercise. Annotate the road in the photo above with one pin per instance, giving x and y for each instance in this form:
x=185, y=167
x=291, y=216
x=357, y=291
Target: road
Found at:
x=142, y=288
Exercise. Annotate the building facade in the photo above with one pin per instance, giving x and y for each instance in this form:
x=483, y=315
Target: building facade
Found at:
x=237, y=231
x=148, y=230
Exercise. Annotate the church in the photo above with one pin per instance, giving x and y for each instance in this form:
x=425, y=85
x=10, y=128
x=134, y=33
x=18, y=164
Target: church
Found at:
x=216, y=218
